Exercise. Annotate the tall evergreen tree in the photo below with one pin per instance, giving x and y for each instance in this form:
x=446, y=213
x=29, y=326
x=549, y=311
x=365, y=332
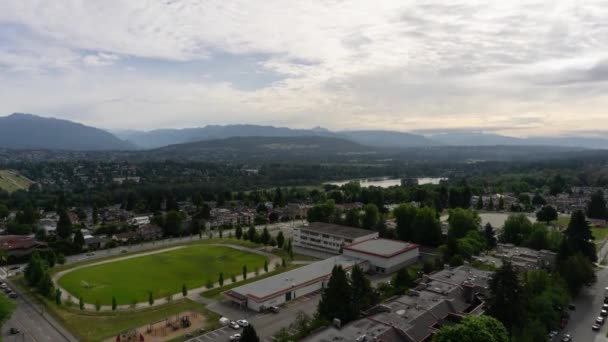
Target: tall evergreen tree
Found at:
x=490, y=236
x=238, y=232
x=506, y=302
x=579, y=237
x=597, y=206
x=249, y=334
x=64, y=225
x=280, y=239
x=79, y=239
x=336, y=300
x=479, y=205
x=364, y=295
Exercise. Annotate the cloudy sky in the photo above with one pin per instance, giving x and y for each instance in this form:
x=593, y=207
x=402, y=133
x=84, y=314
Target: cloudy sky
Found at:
x=514, y=67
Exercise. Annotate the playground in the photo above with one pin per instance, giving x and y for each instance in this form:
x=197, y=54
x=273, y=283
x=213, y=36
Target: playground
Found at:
x=159, y=275
x=169, y=328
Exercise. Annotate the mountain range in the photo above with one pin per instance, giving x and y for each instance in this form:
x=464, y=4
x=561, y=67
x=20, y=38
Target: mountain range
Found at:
x=27, y=131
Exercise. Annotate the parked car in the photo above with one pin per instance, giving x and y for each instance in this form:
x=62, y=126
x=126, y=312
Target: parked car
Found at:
x=274, y=309
x=235, y=337
x=605, y=307
x=224, y=321
x=599, y=320
x=234, y=325
x=14, y=331
x=242, y=323
x=552, y=334
x=595, y=327
x=572, y=307
x=604, y=313
x=567, y=338
x=13, y=295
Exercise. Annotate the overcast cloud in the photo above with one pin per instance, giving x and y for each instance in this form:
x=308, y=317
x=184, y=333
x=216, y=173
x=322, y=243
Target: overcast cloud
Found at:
x=516, y=67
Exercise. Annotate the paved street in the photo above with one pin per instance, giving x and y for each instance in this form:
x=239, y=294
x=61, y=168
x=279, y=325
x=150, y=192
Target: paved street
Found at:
x=34, y=326
x=588, y=306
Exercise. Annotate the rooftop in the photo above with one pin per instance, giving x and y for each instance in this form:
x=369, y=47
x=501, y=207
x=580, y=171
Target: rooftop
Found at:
x=382, y=247
x=280, y=283
x=337, y=230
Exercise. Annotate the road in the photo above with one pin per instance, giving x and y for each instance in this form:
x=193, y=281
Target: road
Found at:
x=35, y=325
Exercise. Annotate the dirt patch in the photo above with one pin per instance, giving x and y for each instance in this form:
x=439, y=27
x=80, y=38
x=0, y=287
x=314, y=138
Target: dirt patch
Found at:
x=164, y=330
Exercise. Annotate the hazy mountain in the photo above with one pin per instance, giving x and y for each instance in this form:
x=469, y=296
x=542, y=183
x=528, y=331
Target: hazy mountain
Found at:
x=262, y=148
x=387, y=138
x=486, y=139
x=475, y=139
x=165, y=137
x=27, y=131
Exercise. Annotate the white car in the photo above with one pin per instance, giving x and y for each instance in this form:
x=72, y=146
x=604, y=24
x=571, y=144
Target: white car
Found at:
x=235, y=337
x=243, y=323
x=234, y=325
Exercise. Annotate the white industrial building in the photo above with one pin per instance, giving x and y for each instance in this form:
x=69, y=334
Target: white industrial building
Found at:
x=384, y=256
x=290, y=285
x=329, y=238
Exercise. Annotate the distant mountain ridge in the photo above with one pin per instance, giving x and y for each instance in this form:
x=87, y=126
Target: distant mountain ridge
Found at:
x=26, y=131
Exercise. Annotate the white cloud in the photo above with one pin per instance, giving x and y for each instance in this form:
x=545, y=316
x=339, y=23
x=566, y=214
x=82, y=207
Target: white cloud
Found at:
x=358, y=64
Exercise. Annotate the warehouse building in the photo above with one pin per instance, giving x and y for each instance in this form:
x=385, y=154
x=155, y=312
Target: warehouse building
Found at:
x=329, y=238
x=290, y=285
x=384, y=256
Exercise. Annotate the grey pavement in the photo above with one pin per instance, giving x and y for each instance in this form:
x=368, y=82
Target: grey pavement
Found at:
x=35, y=324
x=266, y=324
x=588, y=306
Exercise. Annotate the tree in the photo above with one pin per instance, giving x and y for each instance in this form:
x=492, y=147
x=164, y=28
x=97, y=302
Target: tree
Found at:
x=353, y=218
x=97, y=305
x=462, y=221
x=473, y=329
x=265, y=237
x=597, y=206
x=244, y=272
x=506, y=301
x=323, y=212
x=4, y=212
x=402, y=280
x=81, y=303
x=491, y=204
x=252, y=234
x=64, y=225
x=194, y=227
x=60, y=258
x=501, y=203
x=538, y=200
x=221, y=279
x=280, y=239
x=78, y=239
x=427, y=227
x=266, y=265
x=95, y=215
x=579, y=237
x=45, y=285
x=114, y=303
x=479, y=204
x=490, y=236
x=173, y=223
x=249, y=334
x=35, y=269
x=336, y=299
x=371, y=216
x=363, y=295
x=546, y=214
x=577, y=270
x=404, y=216
x=150, y=298
x=58, y=297
x=517, y=228
x=238, y=232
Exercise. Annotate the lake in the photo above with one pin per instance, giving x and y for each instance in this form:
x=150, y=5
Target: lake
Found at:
x=385, y=182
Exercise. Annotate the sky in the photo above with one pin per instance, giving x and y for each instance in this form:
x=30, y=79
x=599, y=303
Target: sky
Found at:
x=513, y=67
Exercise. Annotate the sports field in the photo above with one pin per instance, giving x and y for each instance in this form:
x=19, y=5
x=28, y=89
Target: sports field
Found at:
x=162, y=274
x=12, y=181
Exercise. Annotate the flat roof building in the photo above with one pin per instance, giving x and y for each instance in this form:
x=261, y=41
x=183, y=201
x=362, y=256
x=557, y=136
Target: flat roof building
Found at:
x=439, y=299
x=290, y=285
x=384, y=255
x=328, y=237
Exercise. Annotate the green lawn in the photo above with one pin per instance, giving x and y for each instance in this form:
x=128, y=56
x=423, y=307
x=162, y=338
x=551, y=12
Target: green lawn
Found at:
x=599, y=234
x=11, y=181
x=162, y=274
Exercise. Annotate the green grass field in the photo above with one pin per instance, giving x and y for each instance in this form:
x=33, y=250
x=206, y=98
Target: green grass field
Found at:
x=11, y=181
x=162, y=274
